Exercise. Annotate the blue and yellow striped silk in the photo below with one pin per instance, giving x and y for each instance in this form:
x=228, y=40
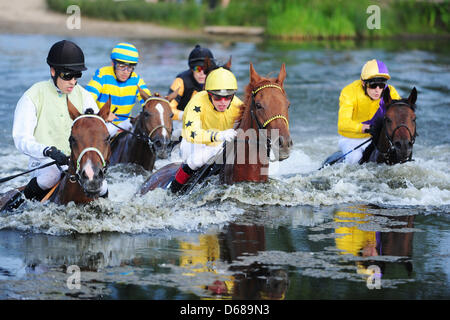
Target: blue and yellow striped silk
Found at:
x=123, y=94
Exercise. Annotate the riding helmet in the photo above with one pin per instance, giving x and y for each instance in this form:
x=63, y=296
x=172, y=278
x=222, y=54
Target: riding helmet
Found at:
x=125, y=52
x=198, y=55
x=221, y=82
x=374, y=69
x=66, y=55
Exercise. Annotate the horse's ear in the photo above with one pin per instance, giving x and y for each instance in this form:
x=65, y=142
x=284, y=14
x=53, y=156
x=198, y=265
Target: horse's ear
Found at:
x=254, y=76
x=144, y=95
x=208, y=65
x=228, y=64
x=281, y=75
x=412, y=97
x=173, y=95
x=105, y=110
x=73, y=112
x=387, y=96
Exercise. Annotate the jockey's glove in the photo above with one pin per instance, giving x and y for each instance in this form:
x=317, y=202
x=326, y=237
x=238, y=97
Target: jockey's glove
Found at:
x=226, y=135
x=57, y=155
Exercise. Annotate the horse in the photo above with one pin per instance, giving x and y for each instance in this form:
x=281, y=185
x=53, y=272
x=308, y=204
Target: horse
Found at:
x=90, y=152
x=393, y=135
x=263, y=124
x=150, y=136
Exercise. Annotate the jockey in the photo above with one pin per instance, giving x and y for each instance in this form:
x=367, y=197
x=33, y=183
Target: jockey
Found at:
x=358, y=103
x=189, y=82
x=121, y=83
x=207, y=121
x=42, y=123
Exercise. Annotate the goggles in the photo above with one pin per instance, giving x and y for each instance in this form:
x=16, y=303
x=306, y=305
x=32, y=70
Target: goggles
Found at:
x=124, y=67
x=66, y=76
x=216, y=97
x=198, y=69
x=373, y=85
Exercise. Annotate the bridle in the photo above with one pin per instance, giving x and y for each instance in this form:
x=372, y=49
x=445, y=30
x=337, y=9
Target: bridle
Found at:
x=253, y=108
x=147, y=137
x=391, y=150
x=76, y=177
x=255, y=118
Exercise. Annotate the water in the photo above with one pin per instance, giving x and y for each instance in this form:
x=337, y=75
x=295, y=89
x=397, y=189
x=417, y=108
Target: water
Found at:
x=307, y=234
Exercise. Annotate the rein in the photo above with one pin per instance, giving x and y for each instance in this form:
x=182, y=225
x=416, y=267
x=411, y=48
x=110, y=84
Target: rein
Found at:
x=146, y=137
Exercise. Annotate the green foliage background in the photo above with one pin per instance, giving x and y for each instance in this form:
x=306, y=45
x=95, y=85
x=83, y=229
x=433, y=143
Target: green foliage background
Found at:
x=280, y=18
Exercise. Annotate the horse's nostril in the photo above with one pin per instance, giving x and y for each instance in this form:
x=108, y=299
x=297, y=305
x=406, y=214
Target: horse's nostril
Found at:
x=281, y=141
x=158, y=143
x=410, y=145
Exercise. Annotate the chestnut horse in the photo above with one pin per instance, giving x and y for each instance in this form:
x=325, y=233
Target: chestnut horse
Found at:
x=395, y=134
x=90, y=151
x=151, y=134
x=263, y=124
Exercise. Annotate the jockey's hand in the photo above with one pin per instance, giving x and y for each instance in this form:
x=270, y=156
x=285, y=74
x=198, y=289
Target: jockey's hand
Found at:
x=365, y=128
x=112, y=116
x=57, y=155
x=226, y=135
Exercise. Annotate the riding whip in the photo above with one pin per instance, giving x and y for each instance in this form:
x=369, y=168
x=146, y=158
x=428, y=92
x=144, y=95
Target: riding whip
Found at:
x=343, y=156
x=21, y=174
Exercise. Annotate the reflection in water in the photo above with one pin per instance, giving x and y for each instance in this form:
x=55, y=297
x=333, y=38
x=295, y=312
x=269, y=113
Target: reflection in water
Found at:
x=253, y=281
x=356, y=238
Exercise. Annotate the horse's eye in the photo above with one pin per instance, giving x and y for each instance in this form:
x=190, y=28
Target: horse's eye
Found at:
x=146, y=114
x=72, y=140
x=171, y=115
x=388, y=120
x=258, y=105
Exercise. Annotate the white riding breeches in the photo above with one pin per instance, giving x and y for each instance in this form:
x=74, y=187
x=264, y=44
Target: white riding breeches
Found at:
x=49, y=176
x=196, y=155
x=112, y=129
x=46, y=177
x=347, y=144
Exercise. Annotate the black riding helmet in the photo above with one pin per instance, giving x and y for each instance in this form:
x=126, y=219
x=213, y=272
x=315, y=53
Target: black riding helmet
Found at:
x=198, y=55
x=67, y=56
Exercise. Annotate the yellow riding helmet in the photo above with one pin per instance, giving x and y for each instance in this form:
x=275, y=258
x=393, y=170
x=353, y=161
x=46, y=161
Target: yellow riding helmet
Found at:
x=374, y=69
x=221, y=82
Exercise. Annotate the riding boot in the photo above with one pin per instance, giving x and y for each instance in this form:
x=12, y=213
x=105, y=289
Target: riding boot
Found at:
x=33, y=191
x=181, y=177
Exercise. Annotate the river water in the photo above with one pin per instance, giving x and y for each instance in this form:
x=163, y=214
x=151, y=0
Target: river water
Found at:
x=344, y=232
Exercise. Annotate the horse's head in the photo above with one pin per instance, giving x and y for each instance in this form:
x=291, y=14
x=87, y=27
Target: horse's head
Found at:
x=156, y=121
x=90, y=148
x=400, y=124
x=269, y=107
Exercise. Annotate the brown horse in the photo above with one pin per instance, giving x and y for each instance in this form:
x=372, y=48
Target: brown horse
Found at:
x=395, y=134
x=150, y=136
x=263, y=124
x=90, y=151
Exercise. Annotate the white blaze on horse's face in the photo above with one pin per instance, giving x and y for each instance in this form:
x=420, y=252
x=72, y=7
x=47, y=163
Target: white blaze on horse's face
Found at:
x=88, y=170
x=160, y=109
